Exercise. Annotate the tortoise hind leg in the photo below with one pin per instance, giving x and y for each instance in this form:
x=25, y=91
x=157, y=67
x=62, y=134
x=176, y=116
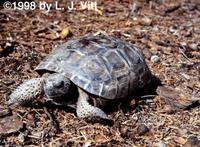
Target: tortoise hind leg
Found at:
x=85, y=110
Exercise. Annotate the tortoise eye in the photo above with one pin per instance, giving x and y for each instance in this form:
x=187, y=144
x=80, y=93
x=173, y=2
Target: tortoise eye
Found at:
x=59, y=84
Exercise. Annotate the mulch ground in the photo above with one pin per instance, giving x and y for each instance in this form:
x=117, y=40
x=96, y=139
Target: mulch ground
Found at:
x=168, y=33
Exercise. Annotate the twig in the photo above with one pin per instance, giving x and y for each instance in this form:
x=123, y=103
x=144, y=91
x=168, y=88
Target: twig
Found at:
x=147, y=96
x=53, y=122
x=133, y=10
x=184, y=55
x=172, y=9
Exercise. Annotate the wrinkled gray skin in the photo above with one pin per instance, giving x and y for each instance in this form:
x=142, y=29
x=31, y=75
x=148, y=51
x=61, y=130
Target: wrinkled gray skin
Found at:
x=55, y=85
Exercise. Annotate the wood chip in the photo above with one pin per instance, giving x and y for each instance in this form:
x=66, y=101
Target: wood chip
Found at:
x=180, y=140
x=4, y=111
x=176, y=99
x=10, y=124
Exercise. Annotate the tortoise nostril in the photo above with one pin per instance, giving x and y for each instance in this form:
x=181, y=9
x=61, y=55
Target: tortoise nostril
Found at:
x=59, y=84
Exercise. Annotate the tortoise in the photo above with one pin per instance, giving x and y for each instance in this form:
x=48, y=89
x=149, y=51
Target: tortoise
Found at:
x=98, y=64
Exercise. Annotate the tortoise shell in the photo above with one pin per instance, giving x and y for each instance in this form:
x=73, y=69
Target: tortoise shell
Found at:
x=100, y=64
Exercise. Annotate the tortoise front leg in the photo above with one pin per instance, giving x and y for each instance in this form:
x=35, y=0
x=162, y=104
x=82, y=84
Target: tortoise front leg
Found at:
x=27, y=91
x=85, y=110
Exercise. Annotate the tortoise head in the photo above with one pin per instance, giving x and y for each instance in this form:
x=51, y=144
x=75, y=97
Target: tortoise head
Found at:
x=56, y=85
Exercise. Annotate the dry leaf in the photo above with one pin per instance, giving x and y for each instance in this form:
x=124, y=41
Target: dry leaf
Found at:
x=65, y=32
x=180, y=140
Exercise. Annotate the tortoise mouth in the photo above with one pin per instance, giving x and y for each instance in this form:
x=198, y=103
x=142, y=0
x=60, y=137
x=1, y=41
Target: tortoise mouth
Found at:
x=51, y=94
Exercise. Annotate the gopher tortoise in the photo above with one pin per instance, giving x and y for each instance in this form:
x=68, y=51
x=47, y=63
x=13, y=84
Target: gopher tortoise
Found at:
x=99, y=65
